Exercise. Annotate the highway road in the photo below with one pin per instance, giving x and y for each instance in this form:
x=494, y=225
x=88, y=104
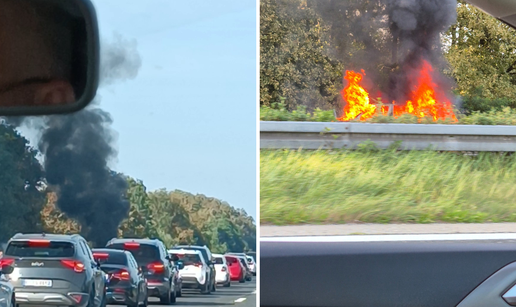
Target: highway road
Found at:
x=240, y=295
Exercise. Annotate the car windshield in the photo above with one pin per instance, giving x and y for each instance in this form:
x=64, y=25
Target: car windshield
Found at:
x=52, y=250
x=144, y=253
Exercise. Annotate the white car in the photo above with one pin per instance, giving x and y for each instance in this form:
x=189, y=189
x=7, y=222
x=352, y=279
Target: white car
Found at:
x=221, y=270
x=251, y=264
x=193, y=269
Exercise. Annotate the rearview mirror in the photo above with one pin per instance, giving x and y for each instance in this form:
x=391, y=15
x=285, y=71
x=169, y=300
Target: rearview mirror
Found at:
x=7, y=269
x=49, y=56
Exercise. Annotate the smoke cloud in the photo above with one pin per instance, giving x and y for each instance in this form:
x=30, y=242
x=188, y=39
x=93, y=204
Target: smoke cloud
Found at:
x=394, y=37
x=77, y=148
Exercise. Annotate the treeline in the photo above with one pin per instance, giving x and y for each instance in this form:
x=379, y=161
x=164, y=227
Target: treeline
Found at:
x=306, y=45
x=175, y=217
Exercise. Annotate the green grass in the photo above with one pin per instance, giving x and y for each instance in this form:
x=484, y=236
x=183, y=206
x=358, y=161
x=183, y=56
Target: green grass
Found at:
x=386, y=186
x=505, y=116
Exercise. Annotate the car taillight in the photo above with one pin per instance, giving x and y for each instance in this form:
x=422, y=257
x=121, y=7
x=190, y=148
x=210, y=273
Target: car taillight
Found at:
x=39, y=243
x=156, y=267
x=223, y=269
x=199, y=265
x=131, y=245
x=77, y=266
x=6, y=261
x=100, y=256
x=122, y=275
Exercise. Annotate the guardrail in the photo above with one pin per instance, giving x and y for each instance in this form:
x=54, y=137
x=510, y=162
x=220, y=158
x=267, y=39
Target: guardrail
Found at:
x=322, y=135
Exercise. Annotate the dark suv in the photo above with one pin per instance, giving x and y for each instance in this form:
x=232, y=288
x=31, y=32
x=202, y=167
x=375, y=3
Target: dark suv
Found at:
x=52, y=269
x=208, y=257
x=161, y=273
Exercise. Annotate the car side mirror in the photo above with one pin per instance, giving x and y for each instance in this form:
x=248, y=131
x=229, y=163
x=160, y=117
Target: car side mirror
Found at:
x=49, y=55
x=7, y=269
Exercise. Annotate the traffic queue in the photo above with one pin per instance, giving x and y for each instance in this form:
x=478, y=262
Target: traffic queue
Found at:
x=62, y=270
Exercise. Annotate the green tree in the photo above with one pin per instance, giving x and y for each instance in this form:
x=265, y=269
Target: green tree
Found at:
x=140, y=222
x=482, y=54
x=293, y=57
x=21, y=201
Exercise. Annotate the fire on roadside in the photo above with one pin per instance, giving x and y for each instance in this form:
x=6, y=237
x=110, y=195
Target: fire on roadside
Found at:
x=423, y=101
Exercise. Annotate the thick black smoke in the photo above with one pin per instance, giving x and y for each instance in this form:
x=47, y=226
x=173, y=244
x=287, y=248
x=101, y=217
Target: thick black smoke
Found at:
x=390, y=39
x=77, y=149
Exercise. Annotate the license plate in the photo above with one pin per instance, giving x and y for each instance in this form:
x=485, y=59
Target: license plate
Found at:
x=37, y=283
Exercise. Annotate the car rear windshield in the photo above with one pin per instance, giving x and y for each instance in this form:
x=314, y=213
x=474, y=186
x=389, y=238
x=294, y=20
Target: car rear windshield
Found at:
x=231, y=259
x=40, y=249
x=144, y=253
x=113, y=258
x=218, y=260
x=189, y=259
x=202, y=250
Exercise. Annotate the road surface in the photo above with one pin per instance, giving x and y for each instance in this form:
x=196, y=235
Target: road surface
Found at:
x=240, y=295
x=382, y=229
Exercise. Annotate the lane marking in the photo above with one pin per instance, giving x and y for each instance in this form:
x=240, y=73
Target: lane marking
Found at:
x=240, y=300
x=393, y=238
x=254, y=292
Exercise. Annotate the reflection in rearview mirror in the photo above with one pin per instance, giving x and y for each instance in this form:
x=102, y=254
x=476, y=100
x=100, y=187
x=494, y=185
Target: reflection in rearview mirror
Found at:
x=48, y=56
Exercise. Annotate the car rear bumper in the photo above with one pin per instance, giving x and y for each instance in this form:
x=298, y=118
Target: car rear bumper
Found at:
x=52, y=299
x=116, y=297
x=190, y=282
x=222, y=279
x=156, y=289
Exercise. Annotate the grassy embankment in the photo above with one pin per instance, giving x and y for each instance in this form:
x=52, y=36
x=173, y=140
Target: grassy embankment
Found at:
x=386, y=186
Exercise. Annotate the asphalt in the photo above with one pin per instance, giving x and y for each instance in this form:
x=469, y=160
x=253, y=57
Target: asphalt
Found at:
x=384, y=229
x=240, y=295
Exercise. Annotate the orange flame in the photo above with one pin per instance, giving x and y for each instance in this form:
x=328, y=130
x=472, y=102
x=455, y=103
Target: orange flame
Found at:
x=423, y=102
x=357, y=99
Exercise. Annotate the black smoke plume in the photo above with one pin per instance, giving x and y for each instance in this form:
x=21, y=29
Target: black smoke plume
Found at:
x=77, y=149
x=395, y=37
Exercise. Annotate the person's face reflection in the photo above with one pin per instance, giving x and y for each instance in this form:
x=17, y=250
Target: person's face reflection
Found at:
x=26, y=60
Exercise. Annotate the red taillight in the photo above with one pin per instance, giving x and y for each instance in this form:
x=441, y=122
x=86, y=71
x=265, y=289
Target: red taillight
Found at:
x=39, y=243
x=100, y=256
x=6, y=261
x=157, y=267
x=223, y=269
x=198, y=265
x=122, y=275
x=131, y=245
x=77, y=266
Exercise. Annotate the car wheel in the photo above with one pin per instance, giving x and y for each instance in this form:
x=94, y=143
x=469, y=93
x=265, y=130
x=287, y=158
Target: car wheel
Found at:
x=13, y=302
x=173, y=296
x=104, y=300
x=165, y=299
x=145, y=301
x=214, y=286
x=137, y=303
x=180, y=290
x=228, y=284
x=206, y=287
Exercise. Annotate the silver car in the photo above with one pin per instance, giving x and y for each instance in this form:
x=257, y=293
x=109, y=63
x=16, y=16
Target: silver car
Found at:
x=7, y=298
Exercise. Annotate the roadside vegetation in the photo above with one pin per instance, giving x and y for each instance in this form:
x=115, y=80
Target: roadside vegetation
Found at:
x=172, y=216
x=388, y=186
x=278, y=112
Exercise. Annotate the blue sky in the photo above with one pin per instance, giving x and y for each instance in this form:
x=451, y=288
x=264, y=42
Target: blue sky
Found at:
x=188, y=120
